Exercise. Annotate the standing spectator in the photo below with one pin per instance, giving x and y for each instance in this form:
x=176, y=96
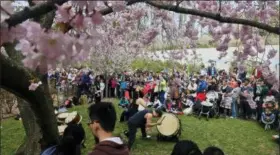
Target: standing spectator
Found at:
x=162, y=89
x=123, y=87
x=260, y=93
x=212, y=70
x=102, y=88
x=97, y=90
x=203, y=70
x=114, y=84
x=235, y=97
x=246, y=92
x=233, y=83
x=226, y=97
x=242, y=75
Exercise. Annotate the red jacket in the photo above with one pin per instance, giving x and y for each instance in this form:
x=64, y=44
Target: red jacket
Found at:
x=110, y=148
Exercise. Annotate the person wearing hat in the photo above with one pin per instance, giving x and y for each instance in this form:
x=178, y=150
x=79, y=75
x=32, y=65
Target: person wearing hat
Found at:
x=143, y=120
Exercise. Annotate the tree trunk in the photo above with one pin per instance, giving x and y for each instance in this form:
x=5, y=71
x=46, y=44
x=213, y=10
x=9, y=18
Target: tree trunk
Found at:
x=15, y=78
x=36, y=107
x=31, y=144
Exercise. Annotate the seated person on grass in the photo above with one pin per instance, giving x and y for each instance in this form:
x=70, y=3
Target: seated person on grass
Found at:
x=123, y=102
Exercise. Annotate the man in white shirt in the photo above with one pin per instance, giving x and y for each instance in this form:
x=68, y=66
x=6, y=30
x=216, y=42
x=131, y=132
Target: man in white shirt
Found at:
x=203, y=70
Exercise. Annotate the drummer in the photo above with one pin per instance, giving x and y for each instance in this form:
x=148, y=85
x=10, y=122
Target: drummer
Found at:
x=143, y=120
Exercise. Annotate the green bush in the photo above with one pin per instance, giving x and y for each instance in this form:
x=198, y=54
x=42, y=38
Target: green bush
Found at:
x=155, y=65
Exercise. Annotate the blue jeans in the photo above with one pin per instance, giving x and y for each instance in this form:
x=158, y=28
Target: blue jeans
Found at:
x=234, y=107
x=161, y=96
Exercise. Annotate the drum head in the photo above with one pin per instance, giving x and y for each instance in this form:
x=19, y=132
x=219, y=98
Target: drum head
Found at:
x=170, y=125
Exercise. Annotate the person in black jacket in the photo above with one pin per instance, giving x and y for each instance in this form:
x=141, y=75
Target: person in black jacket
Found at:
x=97, y=94
x=70, y=143
x=186, y=147
x=212, y=71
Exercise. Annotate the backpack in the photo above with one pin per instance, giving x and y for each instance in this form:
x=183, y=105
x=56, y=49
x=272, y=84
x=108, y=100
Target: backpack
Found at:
x=49, y=151
x=202, y=86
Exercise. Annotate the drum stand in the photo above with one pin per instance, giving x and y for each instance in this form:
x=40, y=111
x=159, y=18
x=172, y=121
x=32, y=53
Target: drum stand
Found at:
x=174, y=138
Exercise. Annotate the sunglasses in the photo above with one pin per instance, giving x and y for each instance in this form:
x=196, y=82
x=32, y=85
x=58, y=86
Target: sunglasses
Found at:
x=89, y=122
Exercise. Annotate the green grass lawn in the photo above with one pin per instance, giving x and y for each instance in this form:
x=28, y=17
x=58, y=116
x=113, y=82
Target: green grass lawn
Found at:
x=235, y=137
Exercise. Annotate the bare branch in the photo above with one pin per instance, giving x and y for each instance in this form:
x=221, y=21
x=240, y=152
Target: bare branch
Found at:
x=216, y=16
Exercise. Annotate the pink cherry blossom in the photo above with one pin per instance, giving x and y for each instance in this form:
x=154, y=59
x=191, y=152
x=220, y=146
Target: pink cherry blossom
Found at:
x=34, y=30
x=63, y=13
x=5, y=35
x=149, y=36
x=97, y=18
x=24, y=46
x=272, y=12
x=251, y=12
x=34, y=86
x=276, y=86
x=79, y=4
x=32, y=60
x=7, y=5
x=92, y=5
x=241, y=68
x=226, y=29
x=50, y=43
x=263, y=15
x=222, y=47
x=78, y=21
x=227, y=39
x=271, y=54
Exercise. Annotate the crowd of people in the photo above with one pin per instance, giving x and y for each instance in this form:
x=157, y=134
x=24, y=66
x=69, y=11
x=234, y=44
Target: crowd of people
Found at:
x=232, y=94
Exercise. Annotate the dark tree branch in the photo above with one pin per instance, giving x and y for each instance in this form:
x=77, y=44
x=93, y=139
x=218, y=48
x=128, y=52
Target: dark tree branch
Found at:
x=30, y=2
x=216, y=16
x=33, y=12
x=43, y=8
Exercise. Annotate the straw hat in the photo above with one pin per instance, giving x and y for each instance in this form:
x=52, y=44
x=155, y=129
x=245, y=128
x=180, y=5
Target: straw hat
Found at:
x=74, y=117
x=61, y=129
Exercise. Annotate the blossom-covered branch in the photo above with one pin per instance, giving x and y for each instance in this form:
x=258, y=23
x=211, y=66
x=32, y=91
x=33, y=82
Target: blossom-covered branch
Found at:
x=43, y=8
x=216, y=16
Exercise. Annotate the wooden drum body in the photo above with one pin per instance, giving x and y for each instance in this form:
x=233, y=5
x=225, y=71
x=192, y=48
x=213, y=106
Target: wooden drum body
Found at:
x=170, y=128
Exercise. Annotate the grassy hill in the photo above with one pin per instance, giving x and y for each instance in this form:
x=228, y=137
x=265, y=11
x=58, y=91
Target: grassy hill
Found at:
x=235, y=137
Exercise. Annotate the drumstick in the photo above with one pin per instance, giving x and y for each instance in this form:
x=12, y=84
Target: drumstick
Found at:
x=162, y=119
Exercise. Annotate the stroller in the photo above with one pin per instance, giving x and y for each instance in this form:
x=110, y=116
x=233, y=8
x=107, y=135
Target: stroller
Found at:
x=268, y=117
x=209, y=107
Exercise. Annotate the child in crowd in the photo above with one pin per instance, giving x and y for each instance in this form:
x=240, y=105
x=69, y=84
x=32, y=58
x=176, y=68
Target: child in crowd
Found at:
x=123, y=102
x=157, y=103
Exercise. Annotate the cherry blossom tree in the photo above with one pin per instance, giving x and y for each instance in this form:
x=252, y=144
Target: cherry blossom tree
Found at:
x=111, y=32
